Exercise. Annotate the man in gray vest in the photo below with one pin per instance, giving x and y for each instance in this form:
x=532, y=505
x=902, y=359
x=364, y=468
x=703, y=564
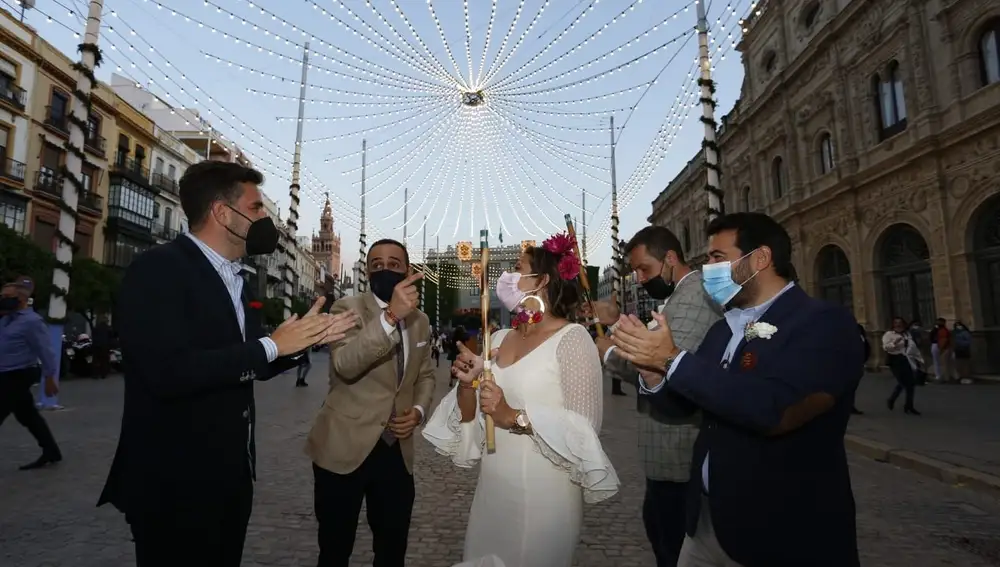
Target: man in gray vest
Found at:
x=666, y=439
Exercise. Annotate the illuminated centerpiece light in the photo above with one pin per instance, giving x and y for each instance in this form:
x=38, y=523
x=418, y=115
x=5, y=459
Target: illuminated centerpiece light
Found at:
x=470, y=98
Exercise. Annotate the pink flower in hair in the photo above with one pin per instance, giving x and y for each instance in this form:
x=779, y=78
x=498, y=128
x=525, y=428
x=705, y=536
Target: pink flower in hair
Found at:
x=559, y=244
x=569, y=267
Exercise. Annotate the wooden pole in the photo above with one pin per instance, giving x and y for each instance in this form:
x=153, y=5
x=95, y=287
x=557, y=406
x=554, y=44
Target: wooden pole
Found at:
x=484, y=306
x=584, y=281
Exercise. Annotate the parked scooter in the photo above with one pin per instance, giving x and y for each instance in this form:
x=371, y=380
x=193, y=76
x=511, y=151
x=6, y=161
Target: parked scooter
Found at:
x=81, y=356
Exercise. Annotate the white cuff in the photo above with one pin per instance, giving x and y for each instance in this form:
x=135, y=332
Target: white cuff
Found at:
x=389, y=329
x=673, y=366
x=270, y=348
x=423, y=414
x=607, y=353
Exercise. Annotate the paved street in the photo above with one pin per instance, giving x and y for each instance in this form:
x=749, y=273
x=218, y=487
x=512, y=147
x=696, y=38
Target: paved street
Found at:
x=48, y=518
x=960, y=423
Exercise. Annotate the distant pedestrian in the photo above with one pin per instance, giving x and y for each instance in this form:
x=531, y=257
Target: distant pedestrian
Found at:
x=24, y=341
x=941, y=351
x=302, y=370
x=962, y=339
x=102, y=348
x=904, y=361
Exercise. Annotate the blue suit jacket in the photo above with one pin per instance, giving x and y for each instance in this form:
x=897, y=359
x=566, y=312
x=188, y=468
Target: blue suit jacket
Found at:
x=777, y=499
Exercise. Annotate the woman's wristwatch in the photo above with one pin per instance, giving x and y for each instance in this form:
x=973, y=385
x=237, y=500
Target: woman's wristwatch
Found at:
x=521, y=425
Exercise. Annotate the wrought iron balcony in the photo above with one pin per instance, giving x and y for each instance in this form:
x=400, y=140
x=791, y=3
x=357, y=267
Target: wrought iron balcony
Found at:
x=91, y=201
x=164, y=233
x=95, y=143
x=14, y=95
x=49, y=182
x=164, y=183
x=13, y=170
x=56, y=121
x=130, y=166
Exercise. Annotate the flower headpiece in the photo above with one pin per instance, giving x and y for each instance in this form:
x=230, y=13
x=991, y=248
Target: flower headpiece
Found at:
x=563, y=246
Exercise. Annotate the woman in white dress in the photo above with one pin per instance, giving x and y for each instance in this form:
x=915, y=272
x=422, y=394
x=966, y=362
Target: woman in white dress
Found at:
x=546, y=402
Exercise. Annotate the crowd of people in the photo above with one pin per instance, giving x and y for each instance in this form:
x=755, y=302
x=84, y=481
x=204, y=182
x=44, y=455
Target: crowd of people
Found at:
x=745, y=387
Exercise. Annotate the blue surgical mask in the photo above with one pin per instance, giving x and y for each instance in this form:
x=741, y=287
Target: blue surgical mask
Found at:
x=717, y=279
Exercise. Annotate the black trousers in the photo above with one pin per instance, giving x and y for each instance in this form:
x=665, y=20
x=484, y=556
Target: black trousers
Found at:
x=383, y=482
x=16, y=398
x=905, y=378
x=181, y=526
x=664, y=518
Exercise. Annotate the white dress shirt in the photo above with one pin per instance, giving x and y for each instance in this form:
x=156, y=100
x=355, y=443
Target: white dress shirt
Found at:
x=404, y=336
x=737, y=319
x=229, y=272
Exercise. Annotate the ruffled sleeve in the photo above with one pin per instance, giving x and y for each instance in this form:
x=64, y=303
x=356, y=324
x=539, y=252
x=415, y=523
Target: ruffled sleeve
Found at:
x=463, y=442
x=568, y=436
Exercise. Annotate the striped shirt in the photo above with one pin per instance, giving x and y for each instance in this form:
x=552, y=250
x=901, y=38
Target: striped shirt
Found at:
x=230, y=274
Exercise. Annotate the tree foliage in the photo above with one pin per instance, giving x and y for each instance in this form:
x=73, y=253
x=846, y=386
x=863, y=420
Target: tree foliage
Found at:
x=92, y=286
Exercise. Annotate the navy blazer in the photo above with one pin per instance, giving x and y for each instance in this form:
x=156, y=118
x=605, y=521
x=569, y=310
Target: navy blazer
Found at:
x=777, y=500
x=188, y=421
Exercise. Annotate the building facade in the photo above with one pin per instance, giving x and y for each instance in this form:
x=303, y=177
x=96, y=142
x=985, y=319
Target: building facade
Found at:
x=170, y=160
x=871, y=130
x=17, y=85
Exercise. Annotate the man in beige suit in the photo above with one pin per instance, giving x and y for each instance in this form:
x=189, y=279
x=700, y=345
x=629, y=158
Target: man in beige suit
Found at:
x=381, y=386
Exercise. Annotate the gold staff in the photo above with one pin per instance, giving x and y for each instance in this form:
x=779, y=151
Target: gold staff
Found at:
x=484, y=306
x=584, y=281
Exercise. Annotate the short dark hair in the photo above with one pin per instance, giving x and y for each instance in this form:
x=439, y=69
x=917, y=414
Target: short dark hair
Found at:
x=209, y=181
x=658, y=240
x=564, y=295
x=381, y=241
x=754, y=230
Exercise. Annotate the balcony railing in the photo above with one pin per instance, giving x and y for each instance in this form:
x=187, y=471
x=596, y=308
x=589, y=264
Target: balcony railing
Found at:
x=56, y=120
x=131, y=166
x=165, y=233
x=95, y=143
x=13, y=170
x=13, y=94
x=162, y=182
x=91, y=201
x=49, y=182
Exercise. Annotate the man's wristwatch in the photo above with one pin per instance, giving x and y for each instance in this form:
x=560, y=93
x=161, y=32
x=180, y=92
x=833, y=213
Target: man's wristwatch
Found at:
x=521, y=425
x=670, y=359
x=391, y=317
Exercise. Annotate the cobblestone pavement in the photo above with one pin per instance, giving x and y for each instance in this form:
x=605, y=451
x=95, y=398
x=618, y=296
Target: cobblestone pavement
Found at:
x=48, y=518
x=960, y=423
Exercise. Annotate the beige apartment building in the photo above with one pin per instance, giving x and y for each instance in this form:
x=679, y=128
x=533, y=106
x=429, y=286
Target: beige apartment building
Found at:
x=871, y=130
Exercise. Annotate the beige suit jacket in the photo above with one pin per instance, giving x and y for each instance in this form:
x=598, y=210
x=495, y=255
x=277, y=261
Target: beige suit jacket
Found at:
x=363, y=387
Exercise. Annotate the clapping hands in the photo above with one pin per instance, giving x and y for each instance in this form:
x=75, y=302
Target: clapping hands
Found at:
x=296, y=333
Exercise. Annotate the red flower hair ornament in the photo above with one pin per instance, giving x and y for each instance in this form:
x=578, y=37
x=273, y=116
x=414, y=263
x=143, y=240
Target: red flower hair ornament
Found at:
x=563, y=246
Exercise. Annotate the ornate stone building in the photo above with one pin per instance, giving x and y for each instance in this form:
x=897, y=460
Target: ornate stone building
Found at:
x=326, y=246
x=871, y=130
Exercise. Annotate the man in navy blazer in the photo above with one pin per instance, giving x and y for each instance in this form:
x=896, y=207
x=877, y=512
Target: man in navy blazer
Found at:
x=770, y=485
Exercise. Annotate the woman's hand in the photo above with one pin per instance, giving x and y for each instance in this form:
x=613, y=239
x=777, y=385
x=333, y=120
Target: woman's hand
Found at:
x=492, y=402
x=468, y=366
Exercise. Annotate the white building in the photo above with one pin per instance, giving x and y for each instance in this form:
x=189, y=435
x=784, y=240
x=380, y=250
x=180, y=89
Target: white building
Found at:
x=170, y=160
x=17, y=77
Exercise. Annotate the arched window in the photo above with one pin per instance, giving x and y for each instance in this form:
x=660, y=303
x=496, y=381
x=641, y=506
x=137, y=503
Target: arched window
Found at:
x=826, y=159
x=778, y=177
x=904, y=262
x=989, y=53
x=986, y=250
x=833, y=276
x=890, y=101
x=745, y=199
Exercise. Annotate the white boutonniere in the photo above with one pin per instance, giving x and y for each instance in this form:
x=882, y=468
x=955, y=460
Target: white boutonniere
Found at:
x=759, y=330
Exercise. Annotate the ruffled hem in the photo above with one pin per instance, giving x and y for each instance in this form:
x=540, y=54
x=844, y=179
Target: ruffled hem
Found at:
x=568, y=440
x=462, y=442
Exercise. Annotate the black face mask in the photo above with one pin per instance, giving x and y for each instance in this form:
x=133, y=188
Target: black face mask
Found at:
x=659, y=288
x=261, y=237
x=383, y=282
x=9, y=304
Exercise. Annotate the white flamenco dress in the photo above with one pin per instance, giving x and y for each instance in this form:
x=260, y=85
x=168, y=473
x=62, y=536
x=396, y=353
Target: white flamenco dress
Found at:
x=528, y=506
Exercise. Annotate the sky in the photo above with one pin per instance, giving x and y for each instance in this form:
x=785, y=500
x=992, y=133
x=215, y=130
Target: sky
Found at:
x=537, y=146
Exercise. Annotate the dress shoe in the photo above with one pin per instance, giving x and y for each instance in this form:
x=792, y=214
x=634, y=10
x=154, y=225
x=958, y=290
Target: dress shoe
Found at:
x=911, y=411
x=891, y=404
x=42, y=462
x=856, y=411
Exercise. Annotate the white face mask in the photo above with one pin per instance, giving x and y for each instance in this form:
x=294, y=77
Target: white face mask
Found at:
x=508, y=291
